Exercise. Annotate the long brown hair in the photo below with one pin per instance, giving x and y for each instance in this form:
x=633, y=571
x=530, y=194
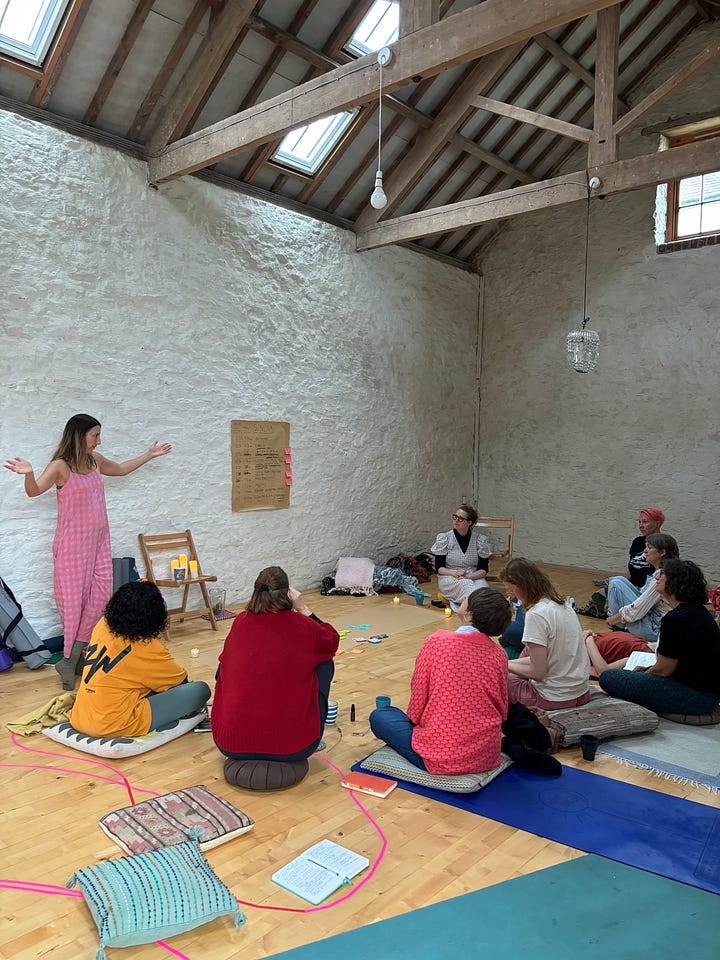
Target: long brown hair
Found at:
x=531, y=581
x=270, y=593
x=73, y=443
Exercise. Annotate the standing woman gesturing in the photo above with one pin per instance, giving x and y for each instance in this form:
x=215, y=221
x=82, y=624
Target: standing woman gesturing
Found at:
x=81, y=548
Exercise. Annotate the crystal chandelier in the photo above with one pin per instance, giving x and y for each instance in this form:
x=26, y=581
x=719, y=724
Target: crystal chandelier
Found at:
x=583, y=345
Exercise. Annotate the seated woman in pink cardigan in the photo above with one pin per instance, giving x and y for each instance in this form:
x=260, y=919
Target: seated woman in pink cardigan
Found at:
x=553, y=670
x=458, y=694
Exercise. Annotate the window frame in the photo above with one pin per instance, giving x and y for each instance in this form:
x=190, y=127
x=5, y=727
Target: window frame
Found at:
x=33, y=55
x=673, y=188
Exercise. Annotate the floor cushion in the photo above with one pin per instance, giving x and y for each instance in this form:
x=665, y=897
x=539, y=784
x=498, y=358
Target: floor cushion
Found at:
x=140, y=899
x=172, y=818
x=265, y=774
x=694, y=719
x=603, y=717
x=114, y=747
x=388, y=762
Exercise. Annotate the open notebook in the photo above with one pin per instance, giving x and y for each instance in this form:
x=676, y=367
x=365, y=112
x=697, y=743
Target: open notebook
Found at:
x=320, y=871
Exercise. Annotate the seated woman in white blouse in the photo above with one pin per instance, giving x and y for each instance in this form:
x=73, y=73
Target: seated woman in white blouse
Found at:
x=461, y=557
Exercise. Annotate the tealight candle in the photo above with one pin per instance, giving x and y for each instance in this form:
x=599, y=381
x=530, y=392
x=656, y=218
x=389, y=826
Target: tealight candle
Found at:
x=448, y=611
x=193, y=569
x=396, y=599
x=195, y=652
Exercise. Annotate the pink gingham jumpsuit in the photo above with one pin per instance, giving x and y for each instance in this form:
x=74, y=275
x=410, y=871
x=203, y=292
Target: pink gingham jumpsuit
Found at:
x=81, y=550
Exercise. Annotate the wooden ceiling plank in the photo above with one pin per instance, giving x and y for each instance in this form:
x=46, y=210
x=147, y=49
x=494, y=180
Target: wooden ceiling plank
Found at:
x=674, y=82
x=574, y=66
x=122, y=51
x=431, y=142
x=492, y=159
x=621, y=176
x=465, y=36
x=43, y=89
x=416, y=14
x=166, y=71
x=222, y=34
x=604, y=142
x=562, y=127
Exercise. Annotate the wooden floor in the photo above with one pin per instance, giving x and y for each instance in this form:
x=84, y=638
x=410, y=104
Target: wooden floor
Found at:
x=49, y=828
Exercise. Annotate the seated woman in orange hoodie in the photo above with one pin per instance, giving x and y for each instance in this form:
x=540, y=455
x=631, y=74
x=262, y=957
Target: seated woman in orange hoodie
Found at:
x=130, y=684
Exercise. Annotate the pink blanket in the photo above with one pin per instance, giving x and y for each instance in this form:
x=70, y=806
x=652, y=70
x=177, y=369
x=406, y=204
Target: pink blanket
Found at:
x=355, y=574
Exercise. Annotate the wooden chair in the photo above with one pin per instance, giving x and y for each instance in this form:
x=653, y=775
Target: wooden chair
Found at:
x=178, y=543
x=499, y=523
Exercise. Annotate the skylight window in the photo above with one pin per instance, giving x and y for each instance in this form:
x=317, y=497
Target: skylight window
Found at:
x=28, y=27
x=379, y=27
x=306, y=148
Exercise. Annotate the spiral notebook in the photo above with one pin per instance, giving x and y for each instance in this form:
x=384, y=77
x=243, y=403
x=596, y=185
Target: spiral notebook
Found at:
x=319, y=871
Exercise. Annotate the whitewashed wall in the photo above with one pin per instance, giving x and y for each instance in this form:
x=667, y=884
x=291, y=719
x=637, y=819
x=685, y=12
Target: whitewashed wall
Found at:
x=166, y=314
x=575, y=456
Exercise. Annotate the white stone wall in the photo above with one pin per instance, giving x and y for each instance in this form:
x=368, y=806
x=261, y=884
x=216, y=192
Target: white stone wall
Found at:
x=575, y=456
x=166, y=314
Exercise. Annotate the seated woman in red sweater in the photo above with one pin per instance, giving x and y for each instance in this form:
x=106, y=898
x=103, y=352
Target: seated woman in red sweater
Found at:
x=274, y=677
x=458, y=694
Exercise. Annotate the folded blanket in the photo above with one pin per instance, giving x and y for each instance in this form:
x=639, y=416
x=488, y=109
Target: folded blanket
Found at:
x=54, y=711
x=355, y=574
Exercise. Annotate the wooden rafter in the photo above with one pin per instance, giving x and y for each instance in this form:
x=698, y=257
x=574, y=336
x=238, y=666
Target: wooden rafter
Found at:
x=52, y=68
x=221, y=37
x=562, y=127
x=122, y=51
x=463, y=37
x=430, y=143
x=416, y=14
x=167, y=69
x=559, y=52
x=604, y=143
x=618, y=177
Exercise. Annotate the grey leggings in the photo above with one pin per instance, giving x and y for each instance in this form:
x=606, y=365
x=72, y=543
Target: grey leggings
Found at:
x=180, y=701
x=661, y=694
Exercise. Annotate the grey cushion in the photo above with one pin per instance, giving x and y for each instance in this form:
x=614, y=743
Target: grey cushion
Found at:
x=265, y=774
x=695, y=719
x=388, y=762
x=602, y=716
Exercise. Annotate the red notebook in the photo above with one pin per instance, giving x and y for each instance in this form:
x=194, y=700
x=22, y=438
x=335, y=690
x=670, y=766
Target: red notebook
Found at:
x=367, y=783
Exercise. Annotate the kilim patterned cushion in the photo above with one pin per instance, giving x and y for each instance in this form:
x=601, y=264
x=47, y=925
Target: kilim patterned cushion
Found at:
x=388, y=762
x=170, y=819
x=604, y=717
x=153, y=896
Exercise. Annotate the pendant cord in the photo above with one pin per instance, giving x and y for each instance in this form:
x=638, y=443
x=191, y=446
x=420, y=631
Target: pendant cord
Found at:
x=585, y=317
x=380, y=117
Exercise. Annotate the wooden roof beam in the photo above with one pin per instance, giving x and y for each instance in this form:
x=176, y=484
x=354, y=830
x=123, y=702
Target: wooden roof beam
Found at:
x=469, y=35
x=604, y=142
x=492, y=159
x=220, y=39
x=618, y=177
x=574, y=66
x=565, y=129
x=416, y=14
x=43, y=89
x=678, y=79
x=431, y=142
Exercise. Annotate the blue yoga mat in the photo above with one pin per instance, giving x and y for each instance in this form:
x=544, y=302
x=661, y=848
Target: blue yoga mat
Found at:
x=587, y=909
x=666, y=835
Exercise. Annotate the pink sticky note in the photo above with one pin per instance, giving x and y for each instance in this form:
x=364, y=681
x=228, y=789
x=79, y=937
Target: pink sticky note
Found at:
x=288, y=451
x=288, y=458
x=288, y=473
x=288, y=481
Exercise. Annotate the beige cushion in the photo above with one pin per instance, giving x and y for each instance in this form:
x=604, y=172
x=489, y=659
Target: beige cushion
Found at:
x=602, y=716
x=695, y=719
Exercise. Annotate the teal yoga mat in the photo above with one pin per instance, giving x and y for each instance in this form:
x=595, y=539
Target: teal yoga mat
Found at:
x=588, y=908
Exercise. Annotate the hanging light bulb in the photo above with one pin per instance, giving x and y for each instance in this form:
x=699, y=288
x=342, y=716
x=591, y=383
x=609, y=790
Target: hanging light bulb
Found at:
x=583, y=345
x=378, y=198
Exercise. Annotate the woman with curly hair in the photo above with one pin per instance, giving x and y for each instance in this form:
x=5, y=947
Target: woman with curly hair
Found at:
x=130, y=684
x=685, y=679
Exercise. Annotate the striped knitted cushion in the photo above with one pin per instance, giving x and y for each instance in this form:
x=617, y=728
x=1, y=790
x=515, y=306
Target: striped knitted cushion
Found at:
x=388, y=762
x=153, y=895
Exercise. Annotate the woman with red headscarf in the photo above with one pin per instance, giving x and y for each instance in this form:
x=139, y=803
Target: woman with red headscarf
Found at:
x=650, y=519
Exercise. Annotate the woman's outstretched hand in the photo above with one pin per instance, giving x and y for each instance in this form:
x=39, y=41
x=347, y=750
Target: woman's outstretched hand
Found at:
x=159, y=449
x=18, y=465
x=298, y=602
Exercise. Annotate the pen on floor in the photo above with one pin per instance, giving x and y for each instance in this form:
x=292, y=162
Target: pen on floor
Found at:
x=352, y=713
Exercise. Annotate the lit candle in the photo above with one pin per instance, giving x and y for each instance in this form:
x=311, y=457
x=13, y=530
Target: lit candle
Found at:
x=174, y=563
x=448, y=611
x=396, y=599
x=193, y=569
x=182, y=561
x=195, y=652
